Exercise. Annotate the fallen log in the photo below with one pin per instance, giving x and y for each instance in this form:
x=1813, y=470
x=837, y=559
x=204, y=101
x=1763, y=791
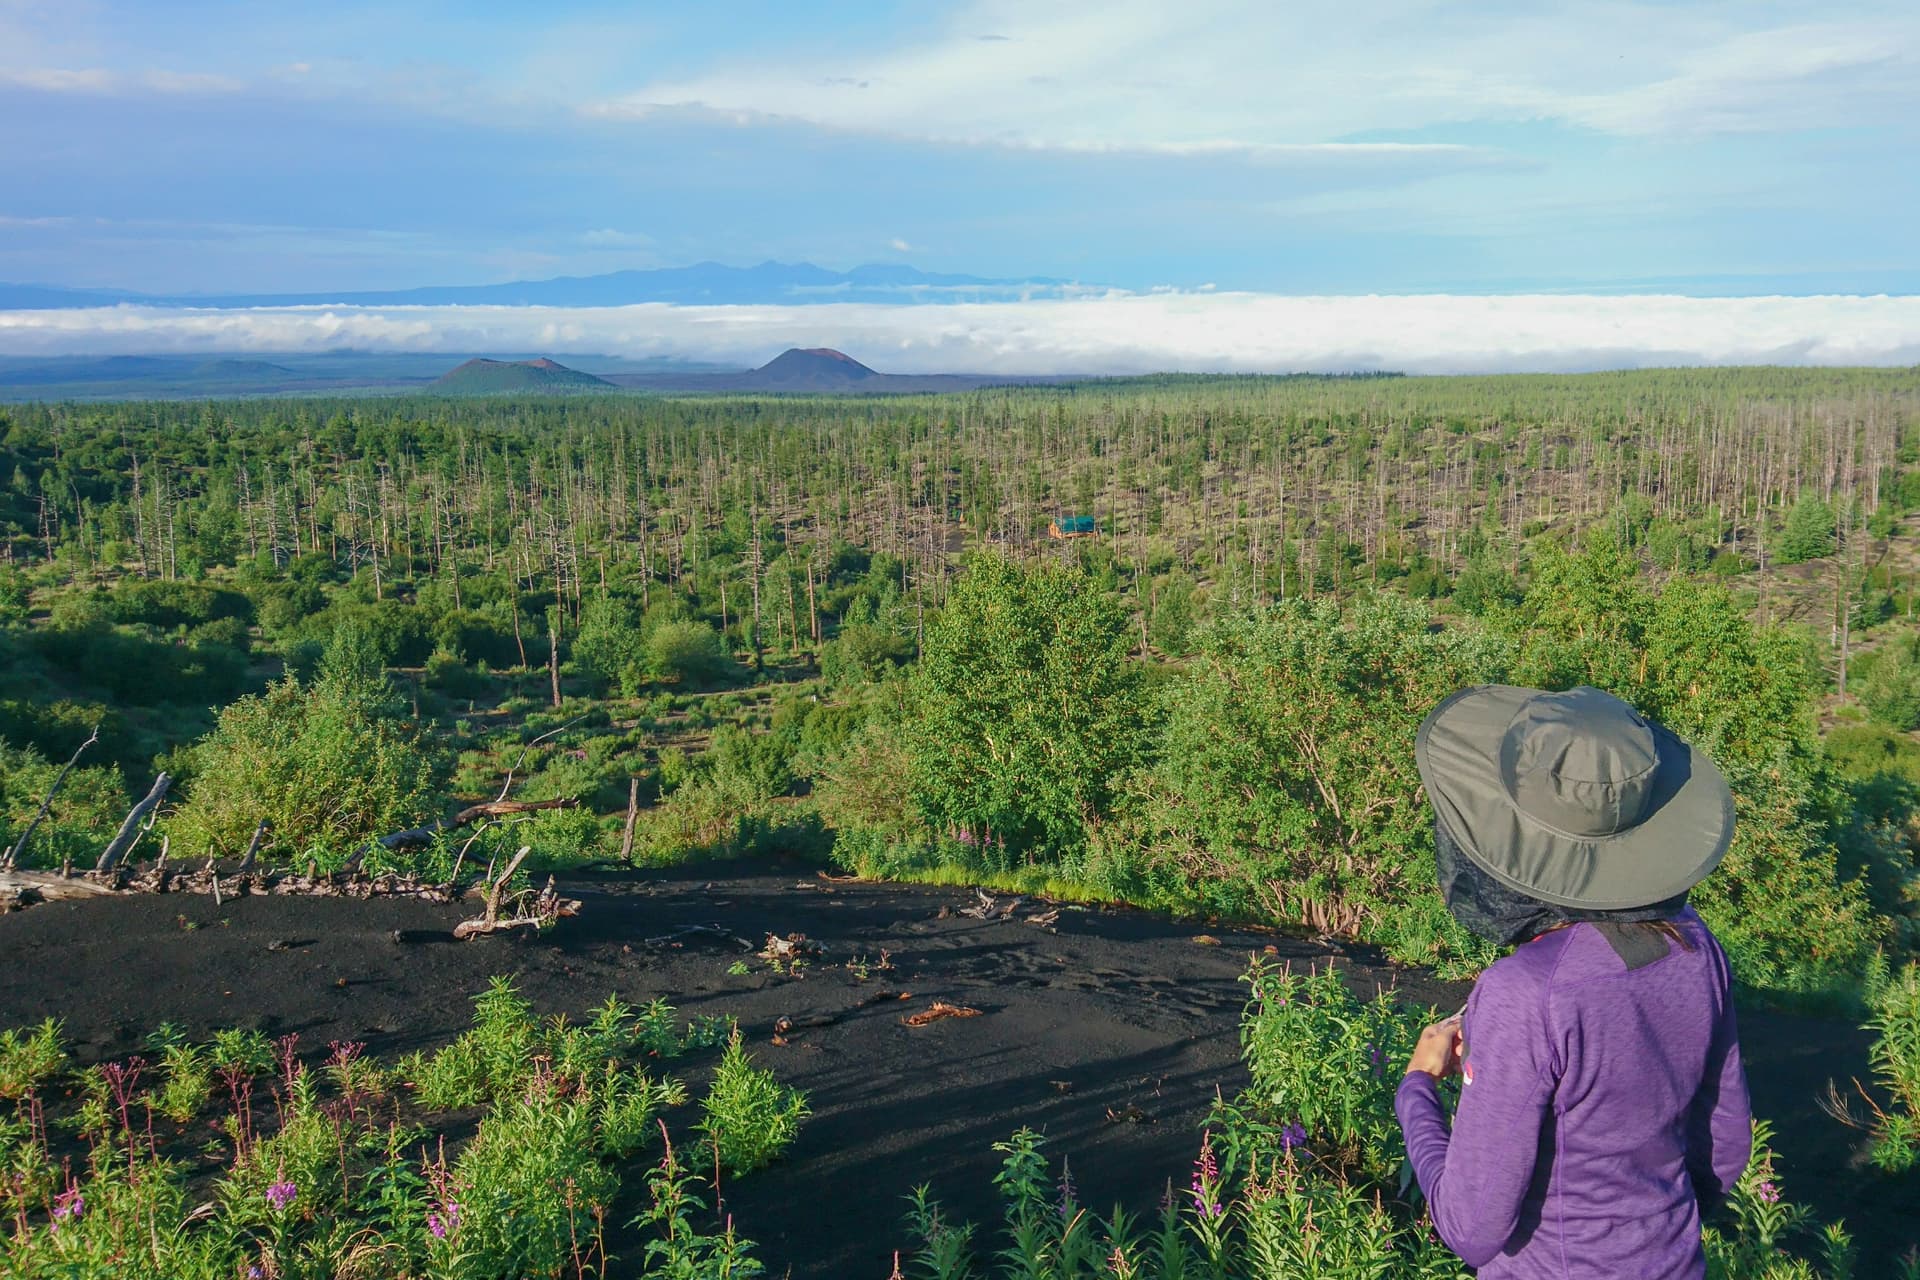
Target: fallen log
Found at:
x=24, y=888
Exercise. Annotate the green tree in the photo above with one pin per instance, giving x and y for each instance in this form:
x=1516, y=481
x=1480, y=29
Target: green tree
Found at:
x=1027, y=709
x=1890, y=686
x=330, y=764
x=610, y=649
x=1807, y=533
x=1691, y=658
x=1286, y=784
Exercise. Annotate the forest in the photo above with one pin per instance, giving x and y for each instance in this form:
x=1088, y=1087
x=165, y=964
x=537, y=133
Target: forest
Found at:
x=844, y=634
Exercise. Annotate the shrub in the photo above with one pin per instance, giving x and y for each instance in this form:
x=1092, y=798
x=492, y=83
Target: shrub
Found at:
x=1285, y=784
x=1027, y=709
x=749, y=1116
x=330, y=764
x=1895, y=1000
x=530, y=1188
x=1890, y=687
x=690, y=653
x=1325, y=1062
x=82, y=818
x=28, y=1059
x=176, y=604
x=610, y=649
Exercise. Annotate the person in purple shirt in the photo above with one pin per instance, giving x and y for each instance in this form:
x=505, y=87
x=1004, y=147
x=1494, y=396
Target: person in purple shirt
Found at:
x=1602, y=1108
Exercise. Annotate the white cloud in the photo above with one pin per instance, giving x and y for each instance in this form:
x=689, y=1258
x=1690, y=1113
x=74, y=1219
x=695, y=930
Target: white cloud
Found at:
x=1116, y=333
x=1247, y=76
x=899, y=246
x=96, y=80
x=614, y=238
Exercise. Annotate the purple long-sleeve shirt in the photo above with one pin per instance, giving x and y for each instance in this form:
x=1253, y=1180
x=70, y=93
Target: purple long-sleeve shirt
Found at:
x=1600, y=1108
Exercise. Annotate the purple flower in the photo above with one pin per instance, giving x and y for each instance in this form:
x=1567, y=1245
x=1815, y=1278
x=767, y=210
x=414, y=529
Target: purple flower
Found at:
x=1294, y=1135
x=281, y=1194
x=444, y=1221
x=1069, y=1194
x=1768, y=1193
x=1206, y=1180
x=69, y=1204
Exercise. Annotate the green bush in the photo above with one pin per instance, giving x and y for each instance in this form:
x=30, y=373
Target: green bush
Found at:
x=749, y=1116
x=1324, y=1061
x=177, y=604
x=689, y=653
x=863, y=651
x=1285, y=784
x=530, y=1188
x=1889, y=686
x=1026, y=709
x=84, y=815
x=330, y=764
x=1895, y=1000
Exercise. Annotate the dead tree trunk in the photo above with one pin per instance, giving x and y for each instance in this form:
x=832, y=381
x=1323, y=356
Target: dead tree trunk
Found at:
x=129, y=832
x=633, y=815
x=253, y=846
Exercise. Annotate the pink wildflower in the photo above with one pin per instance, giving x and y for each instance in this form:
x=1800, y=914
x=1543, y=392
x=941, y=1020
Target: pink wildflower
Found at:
x=1206, y=1180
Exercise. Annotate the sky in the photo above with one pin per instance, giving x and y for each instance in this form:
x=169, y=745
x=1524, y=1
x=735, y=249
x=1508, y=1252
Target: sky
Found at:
x=1508, y=147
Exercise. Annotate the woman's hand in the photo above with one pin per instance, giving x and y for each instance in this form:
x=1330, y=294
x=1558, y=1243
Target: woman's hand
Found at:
x=1438, y=1053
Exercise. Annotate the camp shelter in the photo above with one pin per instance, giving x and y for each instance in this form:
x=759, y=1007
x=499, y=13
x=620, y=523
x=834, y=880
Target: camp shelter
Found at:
x=1071, y=527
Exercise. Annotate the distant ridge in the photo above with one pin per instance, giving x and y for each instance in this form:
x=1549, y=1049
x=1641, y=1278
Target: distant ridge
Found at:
x=703, y=284
x=481, y=376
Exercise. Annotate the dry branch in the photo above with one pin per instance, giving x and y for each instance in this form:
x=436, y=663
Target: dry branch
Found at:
x=546, y=907
x=414, y=837
x=938, y=1010
x=19, y=846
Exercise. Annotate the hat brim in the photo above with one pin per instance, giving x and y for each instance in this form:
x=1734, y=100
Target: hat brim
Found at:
x=1685, y=834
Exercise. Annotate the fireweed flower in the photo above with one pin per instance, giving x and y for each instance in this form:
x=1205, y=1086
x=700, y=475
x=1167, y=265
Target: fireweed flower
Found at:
x=1069, y=1194
x=1206, y=1180
x=1768, y=1193
x=70, y=1204
x=281, y=1194
x=444, y=1221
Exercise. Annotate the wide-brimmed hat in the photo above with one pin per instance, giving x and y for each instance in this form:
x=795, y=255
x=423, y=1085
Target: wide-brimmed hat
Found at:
x=1573, y=798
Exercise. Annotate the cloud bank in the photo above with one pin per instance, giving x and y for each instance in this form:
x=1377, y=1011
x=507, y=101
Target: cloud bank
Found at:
x=1112, y=334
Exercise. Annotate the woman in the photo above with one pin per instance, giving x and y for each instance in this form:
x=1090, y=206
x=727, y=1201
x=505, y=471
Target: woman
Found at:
x=1602, y=1103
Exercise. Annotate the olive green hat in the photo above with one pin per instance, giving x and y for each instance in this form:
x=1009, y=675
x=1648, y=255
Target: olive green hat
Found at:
x=1573, y=798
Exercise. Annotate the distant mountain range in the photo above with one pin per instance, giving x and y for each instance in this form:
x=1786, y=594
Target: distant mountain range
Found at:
x=343, y=372
x=799, y=371
x=708, y=283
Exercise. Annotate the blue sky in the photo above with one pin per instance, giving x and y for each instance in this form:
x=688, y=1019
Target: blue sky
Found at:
x=1737, y=147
